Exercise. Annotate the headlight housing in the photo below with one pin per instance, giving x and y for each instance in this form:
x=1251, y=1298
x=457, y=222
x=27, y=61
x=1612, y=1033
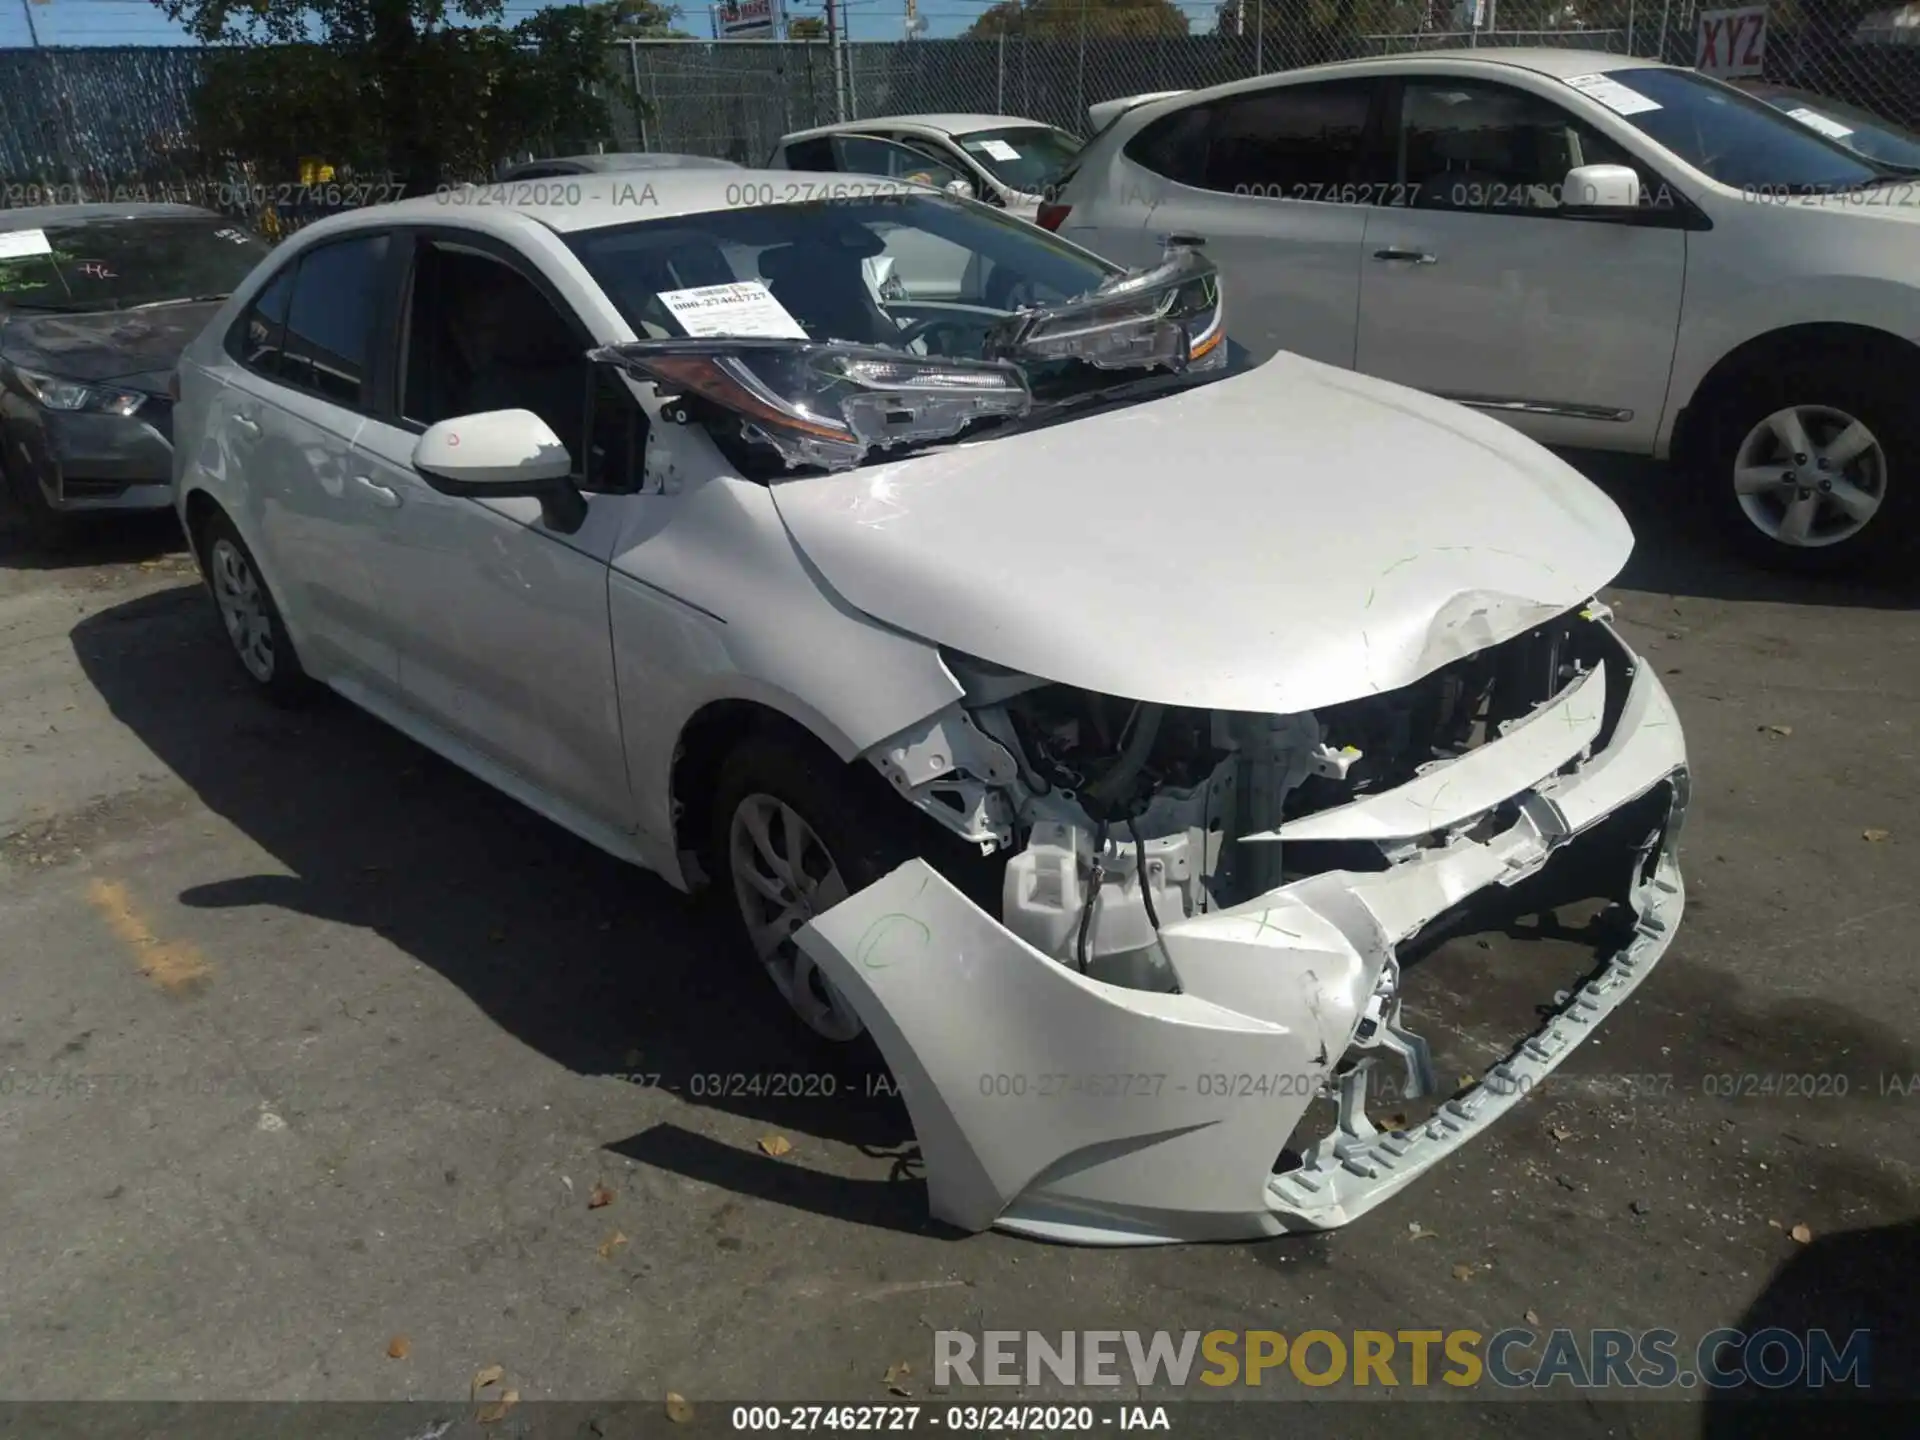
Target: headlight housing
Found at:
x=54, y=393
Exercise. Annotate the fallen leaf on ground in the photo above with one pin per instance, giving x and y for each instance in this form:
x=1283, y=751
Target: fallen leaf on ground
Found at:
x=1802, y=1234
x=398, y=1348
x=1463, y=1272
x=599, y=1197
x=1776, y=1224
x=1780, y=730
x=1559, y=1134
x=775, y=1144
x=1417, y=1231
x=486, y=1375
x=612, y=1243
x=678, y=1410
x=1532, y=1317
x=897, y=1374
x=1396, y=1121
x=1875, y=835
x=498, y=1410
x=1468, y=1081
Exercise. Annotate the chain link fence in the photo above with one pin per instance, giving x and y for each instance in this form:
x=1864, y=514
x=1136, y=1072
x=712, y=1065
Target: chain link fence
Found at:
x=78, y=122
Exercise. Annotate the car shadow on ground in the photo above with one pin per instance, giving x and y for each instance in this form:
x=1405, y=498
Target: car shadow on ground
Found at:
x=1676, y=553
x=1836, y=1286
x=600, y=967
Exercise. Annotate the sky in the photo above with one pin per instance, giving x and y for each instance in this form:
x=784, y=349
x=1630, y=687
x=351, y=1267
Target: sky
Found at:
x=139, y=22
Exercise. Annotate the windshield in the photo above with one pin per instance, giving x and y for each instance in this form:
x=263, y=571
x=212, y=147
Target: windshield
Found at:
x=1027, y=158
x=119, y=263
x=1731, y=136
x=1861, y=131
x=940, y=312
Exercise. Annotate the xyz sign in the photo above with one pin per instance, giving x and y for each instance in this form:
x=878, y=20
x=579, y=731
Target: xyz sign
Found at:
x=1731, y=43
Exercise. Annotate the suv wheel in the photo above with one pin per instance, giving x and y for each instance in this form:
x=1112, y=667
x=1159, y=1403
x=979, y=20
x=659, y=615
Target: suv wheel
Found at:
x=1815, y=468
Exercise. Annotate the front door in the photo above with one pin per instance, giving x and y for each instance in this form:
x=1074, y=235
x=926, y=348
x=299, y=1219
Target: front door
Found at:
x=1477, y=289
x=502, y=622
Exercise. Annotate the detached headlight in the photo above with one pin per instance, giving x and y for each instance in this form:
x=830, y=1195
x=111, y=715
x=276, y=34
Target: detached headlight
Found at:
x=1170, y=315
x=828, y=404
x=57, y=394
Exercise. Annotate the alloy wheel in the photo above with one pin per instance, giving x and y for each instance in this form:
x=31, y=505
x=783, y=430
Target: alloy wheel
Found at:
x=1810, y=476
x=243, y=609
x=783, y=876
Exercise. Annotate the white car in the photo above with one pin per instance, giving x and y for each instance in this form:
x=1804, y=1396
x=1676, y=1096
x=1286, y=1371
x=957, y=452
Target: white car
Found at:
x=1087, y=720
x=1607, y=253
x=1002, y=159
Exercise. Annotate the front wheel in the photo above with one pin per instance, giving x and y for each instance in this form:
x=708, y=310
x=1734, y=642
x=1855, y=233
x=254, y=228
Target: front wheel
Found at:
x=1816, y=468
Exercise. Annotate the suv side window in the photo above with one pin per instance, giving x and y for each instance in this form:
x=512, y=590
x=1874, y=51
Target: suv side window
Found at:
x=256, y=341
x=329, y=321
x=1288, y=142
x=1293, y=142
x=815, y=154
x=1471, y=145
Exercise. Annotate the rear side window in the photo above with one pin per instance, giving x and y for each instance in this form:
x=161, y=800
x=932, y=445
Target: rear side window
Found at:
x=1295, y=142
x=814, y=154
x=1292, y=142
x=330, y=320
x=257, y=339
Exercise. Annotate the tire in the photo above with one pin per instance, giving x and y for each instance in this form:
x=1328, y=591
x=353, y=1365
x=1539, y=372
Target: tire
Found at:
x=1857, y=508
x=248, y=615
x=855, y=828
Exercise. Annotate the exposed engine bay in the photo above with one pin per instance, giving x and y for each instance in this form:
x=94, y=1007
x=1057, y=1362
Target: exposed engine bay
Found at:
x=1088, y=793
x=1202, y=913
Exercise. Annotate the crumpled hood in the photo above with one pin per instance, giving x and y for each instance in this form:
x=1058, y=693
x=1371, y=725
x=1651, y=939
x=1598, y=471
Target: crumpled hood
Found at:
x=1274, y=541
x=107, y=345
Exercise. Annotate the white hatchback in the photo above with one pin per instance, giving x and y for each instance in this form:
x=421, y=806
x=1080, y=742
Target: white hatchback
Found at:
x=1085, y=718
x=1606, y=253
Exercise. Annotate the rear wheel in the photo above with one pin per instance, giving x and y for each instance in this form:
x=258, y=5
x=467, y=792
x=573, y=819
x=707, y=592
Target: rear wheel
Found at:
x=1816, y=467
x=248, y=615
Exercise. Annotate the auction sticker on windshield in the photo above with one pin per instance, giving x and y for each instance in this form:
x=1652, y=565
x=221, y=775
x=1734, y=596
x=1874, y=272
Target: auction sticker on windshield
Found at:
x=743, y=308
x=1612, y=94
x=17, y=244
x=999, y=149
x=1814, y=120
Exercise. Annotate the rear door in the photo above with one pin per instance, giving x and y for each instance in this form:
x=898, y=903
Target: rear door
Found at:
x=1476, y=287
x=297, y=402
x=1275, y=183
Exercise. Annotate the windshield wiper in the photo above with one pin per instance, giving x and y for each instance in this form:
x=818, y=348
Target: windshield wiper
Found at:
x=177, y=300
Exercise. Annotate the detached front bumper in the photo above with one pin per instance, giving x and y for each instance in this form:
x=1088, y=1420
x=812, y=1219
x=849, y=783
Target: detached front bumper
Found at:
x=1055, y=1105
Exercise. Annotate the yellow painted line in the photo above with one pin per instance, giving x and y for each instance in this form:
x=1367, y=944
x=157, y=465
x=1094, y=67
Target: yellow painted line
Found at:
x=176, y=967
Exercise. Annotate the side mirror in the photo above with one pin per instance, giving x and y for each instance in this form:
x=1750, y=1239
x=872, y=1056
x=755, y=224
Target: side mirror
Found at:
x=498, y=453
x=1600, y=190
x=963, y=189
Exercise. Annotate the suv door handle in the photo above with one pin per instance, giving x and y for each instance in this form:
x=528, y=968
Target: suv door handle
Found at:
x=385, y=498
x=247, y=423
x=1410, y=257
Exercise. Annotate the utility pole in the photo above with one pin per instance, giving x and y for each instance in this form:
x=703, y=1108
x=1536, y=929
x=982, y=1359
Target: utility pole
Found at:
x=839, y=77
x=33, y=31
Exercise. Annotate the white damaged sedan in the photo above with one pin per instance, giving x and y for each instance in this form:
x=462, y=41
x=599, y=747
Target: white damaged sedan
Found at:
x=1090, y=721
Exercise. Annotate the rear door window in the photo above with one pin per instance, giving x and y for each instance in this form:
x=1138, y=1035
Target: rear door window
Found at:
x=329, y=322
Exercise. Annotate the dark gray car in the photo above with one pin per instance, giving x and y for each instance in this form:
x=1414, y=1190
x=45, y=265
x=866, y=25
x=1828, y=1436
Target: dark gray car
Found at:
x=96, y=304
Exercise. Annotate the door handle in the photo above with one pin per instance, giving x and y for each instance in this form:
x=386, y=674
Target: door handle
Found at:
x=247, y=423
x=1410, y=257
x=385, y=498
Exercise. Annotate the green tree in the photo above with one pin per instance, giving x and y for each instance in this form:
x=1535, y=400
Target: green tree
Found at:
x=644, y=20
x=807, y=27
x=427, y=91
x=1063, y=19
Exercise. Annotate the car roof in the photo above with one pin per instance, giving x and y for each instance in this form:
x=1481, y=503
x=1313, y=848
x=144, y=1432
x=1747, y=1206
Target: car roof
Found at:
x=945, y=124
x=604, y=200
x=1552, y=61
x=38, y=217
x=627, y=160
